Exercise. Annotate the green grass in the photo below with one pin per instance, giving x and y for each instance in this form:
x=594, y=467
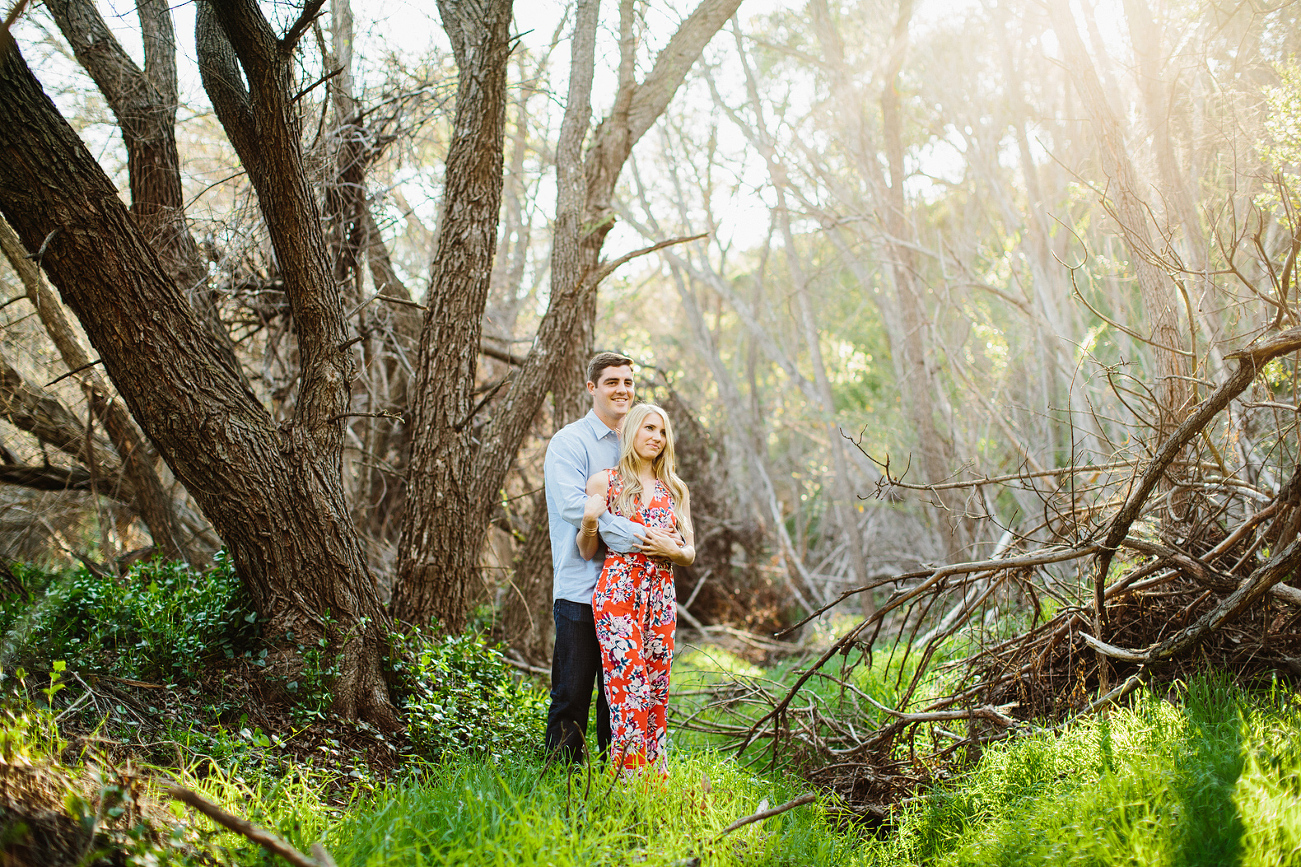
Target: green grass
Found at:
x=470, y=811
x=1206, y=774
x=1211, y=780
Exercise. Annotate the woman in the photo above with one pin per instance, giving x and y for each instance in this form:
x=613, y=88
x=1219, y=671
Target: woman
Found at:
x=634, y=602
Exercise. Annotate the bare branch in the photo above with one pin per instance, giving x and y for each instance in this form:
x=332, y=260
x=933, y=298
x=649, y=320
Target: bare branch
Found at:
x=806, y=798
x=262, y=837
x=610, y=267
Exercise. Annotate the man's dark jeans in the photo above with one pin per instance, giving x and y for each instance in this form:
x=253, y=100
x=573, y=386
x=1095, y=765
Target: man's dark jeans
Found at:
x=575, y=665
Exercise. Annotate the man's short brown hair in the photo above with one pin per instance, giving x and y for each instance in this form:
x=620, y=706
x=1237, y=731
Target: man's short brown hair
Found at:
x=601, y=361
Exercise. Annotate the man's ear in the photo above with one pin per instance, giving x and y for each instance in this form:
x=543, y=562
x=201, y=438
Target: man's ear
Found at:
x=591, y=388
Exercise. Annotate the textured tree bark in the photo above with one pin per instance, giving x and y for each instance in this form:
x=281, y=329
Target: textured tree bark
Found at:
x=149, y=497
x=274, y=493
x=145, y=101
x=446, y=518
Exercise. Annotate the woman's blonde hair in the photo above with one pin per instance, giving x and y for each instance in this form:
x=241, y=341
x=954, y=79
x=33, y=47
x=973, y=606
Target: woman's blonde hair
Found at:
x=664, y=467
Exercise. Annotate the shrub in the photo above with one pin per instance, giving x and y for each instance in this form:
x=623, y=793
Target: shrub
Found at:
x=463, y=696
x=160, y=620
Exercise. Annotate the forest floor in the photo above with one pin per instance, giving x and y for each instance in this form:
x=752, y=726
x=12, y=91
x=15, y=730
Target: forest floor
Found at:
x=107, y=698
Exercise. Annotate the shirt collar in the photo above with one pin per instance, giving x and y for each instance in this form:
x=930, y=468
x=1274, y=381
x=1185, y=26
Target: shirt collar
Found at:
x=598, y=427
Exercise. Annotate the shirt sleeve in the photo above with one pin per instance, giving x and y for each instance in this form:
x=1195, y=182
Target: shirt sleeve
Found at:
x=618, y=532
x=567, y=494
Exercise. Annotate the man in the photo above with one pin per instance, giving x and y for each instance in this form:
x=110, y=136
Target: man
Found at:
x=576, y=452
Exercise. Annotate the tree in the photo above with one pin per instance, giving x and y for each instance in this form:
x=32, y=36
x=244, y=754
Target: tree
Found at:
x=273, y=492
x=458, y=479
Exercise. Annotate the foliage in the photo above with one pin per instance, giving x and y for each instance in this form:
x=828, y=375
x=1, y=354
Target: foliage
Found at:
x=1281, y=149
x=159, y=620
x=464, y=697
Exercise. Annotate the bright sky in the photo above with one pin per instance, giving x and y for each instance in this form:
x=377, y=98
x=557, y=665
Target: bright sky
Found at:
x=412, y=27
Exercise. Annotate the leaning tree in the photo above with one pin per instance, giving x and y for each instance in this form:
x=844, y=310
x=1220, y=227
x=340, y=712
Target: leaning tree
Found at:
x=273, y=491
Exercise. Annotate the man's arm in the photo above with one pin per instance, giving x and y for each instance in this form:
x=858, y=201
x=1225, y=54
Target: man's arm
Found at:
x=565, y=472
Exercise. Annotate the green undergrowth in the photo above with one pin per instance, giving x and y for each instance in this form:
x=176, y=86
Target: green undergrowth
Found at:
x=1200, y=774
x=1208, y=775
x=158, y=621
x=463, y=697
x=466, y=810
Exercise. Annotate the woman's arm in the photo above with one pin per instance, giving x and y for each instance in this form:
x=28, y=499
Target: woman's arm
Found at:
x=687, y=553
x=588, y=540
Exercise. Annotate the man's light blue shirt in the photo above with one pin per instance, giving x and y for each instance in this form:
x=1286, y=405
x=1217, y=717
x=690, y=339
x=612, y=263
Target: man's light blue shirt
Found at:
x=576, y=452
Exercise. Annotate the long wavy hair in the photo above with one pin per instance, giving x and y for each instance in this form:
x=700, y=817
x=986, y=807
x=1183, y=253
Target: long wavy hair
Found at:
x=664, y=467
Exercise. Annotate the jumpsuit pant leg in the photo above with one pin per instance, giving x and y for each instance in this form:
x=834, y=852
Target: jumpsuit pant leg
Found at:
x=634, y=623
x=661, y=621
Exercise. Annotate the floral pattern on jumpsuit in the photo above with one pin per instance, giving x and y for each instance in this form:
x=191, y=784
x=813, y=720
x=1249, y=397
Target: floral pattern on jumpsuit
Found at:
x=636, y=612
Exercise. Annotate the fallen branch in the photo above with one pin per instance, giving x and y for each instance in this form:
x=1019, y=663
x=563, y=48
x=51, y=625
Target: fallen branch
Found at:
x=1205, y=574
x=988, y=713
x=1112, y=650
x=263, y=838
x=1131, y=683
x=806, y=798
x=1256, y=585
x=1250, y=361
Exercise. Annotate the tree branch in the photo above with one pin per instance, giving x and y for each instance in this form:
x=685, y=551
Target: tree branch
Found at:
x=311, y=11
x=609, y=268
x=806, y=798
x=263, y=838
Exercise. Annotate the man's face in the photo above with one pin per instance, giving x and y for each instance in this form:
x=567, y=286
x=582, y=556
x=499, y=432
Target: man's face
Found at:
x=612, y=395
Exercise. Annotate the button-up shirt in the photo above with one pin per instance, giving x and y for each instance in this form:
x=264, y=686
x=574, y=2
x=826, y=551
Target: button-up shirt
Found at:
x=576, y=452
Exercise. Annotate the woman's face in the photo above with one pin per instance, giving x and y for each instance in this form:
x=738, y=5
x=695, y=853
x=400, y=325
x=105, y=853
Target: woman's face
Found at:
x=649, y=439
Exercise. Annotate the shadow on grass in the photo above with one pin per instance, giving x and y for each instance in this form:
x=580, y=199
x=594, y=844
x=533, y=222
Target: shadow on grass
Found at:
x=1210, y=829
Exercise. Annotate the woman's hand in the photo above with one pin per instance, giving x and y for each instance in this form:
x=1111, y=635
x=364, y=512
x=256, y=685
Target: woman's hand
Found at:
x=588, y=540
x=667, y=545
x=592, y=511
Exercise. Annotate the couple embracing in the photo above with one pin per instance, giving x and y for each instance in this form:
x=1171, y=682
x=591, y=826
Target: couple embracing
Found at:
x=619, y=518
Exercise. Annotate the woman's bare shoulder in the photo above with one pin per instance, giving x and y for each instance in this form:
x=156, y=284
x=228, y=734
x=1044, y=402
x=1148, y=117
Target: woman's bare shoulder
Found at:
x=598, y=482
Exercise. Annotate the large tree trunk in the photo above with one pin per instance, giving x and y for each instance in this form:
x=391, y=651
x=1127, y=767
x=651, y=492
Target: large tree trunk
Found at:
x=144, y=102
x=445, y=524
x=274, y=493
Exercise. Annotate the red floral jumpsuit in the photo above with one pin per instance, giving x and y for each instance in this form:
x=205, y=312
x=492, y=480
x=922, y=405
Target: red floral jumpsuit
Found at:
x=636, y=612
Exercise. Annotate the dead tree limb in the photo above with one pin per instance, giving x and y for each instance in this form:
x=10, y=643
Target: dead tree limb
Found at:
x=1250, y=361
x=262, y=837
x=806, y=798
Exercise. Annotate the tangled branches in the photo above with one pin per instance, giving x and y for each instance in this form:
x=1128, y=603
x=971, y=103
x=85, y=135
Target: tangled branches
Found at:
x=1121, y=592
